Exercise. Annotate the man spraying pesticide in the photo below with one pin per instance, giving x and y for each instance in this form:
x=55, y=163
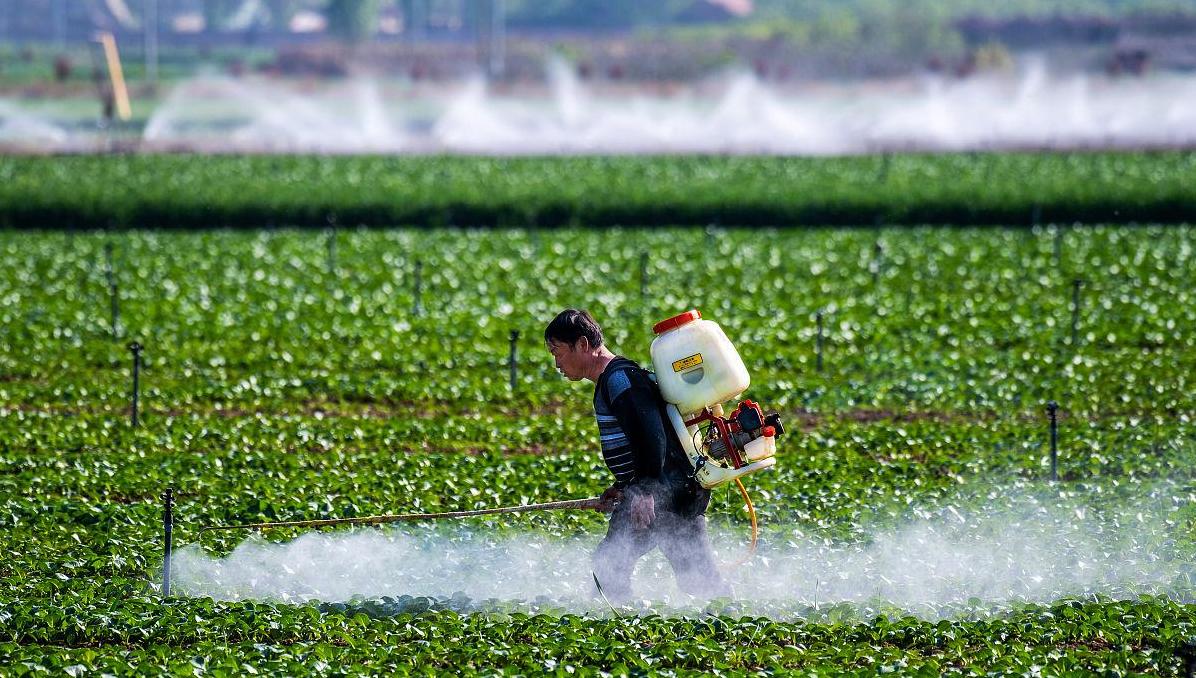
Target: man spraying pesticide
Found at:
x=666, y=442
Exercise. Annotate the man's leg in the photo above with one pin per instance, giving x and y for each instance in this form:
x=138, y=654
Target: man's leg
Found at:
x=686, y=544
x=617, y=553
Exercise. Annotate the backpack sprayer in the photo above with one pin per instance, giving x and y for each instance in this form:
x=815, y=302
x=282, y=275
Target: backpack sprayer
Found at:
x=698, y=369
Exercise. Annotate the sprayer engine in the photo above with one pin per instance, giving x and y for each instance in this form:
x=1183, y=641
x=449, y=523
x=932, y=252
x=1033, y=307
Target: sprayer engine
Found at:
x=736, y=437
x=734, y=446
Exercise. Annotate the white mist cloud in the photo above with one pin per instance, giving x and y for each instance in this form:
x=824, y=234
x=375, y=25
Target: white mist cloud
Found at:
x=1025, y=551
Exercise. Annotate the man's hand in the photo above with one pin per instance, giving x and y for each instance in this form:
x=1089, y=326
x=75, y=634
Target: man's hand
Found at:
x=643, y=511
x=612, y=496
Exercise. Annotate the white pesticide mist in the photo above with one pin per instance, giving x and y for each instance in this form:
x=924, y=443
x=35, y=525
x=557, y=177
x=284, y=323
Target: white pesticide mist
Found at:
x=1024, y=551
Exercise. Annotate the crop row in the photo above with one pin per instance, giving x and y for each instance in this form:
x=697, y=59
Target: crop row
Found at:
x=203, y=192
x=975, y=321
x=200, y=637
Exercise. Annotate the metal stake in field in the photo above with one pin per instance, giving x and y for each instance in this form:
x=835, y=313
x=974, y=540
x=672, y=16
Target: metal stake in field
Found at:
x=513, y=360
x=1075, y=310
x=331, y=243
x=167, y=528
x=878, y=253
x=136, y=349
x=113, y=292
x=818, y=342
x=109, y=274
x=1052, y=413
x=418, y=307
x=114, y=303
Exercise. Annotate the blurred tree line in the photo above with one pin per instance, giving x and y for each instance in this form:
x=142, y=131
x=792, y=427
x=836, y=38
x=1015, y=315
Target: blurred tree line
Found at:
x=834, y=15
x=898, y=27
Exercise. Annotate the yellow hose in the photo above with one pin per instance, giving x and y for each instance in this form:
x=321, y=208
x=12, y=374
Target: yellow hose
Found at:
x=755, y=528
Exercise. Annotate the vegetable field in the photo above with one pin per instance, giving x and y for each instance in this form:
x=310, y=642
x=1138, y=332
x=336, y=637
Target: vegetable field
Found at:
x=1019, y=189
x=910, y=526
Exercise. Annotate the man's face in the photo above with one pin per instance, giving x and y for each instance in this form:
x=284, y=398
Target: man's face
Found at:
x=569, y=359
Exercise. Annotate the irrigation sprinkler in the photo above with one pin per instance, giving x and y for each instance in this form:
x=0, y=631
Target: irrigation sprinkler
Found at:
x=418, y=307
x=168, y=538
x=1075, y=310
x=1057, y=248
x=878, y=253
x=136, y=349
x=113, y=292
x=513, y=360
x=818, y=342
x=882, y=173
x=591, y=504
x=331, y=244
x=1052, y=414
x=108, y=271
x=114, y=309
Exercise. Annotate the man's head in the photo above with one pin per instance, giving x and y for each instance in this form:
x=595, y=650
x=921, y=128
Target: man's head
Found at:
x=575, y=340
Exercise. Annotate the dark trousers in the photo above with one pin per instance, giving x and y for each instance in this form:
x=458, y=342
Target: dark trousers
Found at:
x=682, y=539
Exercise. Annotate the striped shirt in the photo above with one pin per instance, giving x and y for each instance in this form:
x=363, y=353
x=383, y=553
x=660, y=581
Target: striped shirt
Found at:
x=638, y=443
x=616, y=447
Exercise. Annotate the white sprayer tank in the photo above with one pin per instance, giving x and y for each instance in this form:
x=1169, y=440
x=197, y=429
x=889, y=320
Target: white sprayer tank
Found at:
x=696, y=365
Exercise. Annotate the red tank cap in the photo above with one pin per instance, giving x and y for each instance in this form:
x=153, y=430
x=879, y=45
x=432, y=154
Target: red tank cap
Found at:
x=769, y=432
x=676, y=321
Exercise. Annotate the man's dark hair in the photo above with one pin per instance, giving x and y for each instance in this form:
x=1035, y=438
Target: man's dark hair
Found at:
x=572, y=324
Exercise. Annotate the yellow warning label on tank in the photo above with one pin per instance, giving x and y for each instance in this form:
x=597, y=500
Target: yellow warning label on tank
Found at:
x=686, y=363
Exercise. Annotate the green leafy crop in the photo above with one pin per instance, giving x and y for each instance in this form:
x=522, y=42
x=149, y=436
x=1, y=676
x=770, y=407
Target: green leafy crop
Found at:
x=288, y=374
x=251, y=192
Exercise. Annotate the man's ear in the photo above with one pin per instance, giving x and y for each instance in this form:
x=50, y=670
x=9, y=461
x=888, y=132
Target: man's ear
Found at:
x=583, y=345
